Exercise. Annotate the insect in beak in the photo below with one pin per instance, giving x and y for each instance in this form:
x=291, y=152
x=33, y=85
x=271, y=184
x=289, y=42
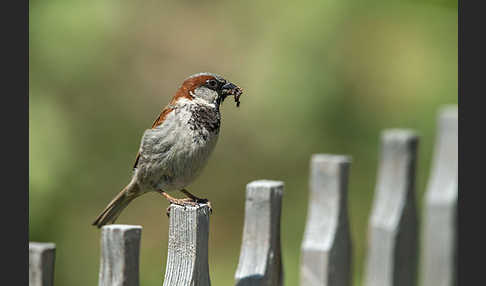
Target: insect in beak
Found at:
x=231, y=89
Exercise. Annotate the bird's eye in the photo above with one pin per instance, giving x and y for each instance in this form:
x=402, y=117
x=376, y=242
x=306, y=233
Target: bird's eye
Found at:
x=212, y=83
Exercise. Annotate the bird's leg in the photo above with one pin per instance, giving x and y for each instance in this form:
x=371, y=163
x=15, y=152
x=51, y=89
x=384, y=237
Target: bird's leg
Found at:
x=176, y=201
x=197, y=199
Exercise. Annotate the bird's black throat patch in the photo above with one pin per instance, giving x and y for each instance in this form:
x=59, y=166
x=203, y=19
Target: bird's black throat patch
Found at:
x=204, y=118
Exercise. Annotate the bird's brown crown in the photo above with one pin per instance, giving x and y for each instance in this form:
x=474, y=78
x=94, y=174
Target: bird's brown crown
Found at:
x=191, y=83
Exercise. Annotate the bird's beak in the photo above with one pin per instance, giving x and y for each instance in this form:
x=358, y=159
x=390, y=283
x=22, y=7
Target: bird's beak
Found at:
x=229, y=86
x=231, y=89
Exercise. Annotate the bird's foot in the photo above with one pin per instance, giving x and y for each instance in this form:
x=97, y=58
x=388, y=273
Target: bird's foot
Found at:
x=189, y=201
x=180, y=202
x=197, y=200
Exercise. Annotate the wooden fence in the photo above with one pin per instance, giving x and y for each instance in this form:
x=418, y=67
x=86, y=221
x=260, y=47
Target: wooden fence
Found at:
x=393, y=235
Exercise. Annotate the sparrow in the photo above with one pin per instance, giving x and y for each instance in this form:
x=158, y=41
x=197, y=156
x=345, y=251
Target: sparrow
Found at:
x=177, y=147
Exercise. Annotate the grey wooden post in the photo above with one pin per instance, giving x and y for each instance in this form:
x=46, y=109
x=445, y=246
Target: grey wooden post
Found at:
x=41, y=263
x=392, y=234
x=120, y=253
x=326, y=247
x=440, y=225
x=187, y=259
x=260, y=260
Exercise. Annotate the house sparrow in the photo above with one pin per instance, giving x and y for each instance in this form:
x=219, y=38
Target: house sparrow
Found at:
x=174, y=151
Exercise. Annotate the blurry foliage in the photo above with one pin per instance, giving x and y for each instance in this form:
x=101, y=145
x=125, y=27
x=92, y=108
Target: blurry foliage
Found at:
x=319, y=77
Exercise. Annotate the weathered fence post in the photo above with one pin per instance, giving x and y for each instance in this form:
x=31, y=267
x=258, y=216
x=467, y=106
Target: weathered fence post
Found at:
x=439, y=229
x=187, y=259
x=260, y=260
x=120, y=253
x=326, y=247
x=392, y=234
x=41, y=263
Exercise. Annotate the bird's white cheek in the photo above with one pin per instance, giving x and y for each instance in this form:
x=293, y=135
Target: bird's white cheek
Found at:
x=205, y=94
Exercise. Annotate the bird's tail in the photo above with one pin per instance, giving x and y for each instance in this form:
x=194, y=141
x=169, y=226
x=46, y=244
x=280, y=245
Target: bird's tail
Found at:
x=117, y=205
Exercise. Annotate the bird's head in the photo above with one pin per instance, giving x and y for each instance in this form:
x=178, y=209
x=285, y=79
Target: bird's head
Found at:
x=208, y=87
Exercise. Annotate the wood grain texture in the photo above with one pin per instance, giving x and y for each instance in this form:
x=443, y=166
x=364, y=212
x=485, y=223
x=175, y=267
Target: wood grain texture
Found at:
x=439, y=240
x=260, y=260
x=120, y=254
x=392, y=233
x=187, y=260
x=41, y=263
x=326, y=247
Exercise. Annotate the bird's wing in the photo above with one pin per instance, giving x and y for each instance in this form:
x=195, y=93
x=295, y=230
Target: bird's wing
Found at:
x=158, y=121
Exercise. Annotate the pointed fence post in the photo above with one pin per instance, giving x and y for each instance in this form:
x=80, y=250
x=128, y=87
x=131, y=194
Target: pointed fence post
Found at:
x=439, y=249
x=41, y=263
x=260, y=260
x=120, y=254
x=326, y=247
x=187, y=259
x=392, y=234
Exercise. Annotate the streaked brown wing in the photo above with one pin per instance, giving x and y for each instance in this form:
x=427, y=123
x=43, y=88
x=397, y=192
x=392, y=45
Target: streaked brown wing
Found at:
x=159, y=120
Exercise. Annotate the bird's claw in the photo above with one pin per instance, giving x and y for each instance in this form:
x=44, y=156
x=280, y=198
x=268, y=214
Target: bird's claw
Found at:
x=204, y=201
x=210, y=207
x=189, y=202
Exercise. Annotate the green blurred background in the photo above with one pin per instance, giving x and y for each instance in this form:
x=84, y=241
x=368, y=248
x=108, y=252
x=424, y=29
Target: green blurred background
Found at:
x=319, y=77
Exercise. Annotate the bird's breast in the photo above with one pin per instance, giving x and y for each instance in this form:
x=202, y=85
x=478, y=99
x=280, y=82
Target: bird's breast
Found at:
x=204, y=120
x=182, y=146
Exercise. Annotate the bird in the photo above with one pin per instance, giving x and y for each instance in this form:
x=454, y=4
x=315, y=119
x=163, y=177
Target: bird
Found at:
x=174, y=151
